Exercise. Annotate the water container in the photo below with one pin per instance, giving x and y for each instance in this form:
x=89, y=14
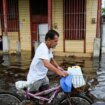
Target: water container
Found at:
x=78, y=79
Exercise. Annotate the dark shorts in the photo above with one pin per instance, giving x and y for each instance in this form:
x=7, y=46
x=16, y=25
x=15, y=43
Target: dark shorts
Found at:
x=40, y=83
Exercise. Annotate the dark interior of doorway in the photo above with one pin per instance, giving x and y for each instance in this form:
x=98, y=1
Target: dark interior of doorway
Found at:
x=39, y=7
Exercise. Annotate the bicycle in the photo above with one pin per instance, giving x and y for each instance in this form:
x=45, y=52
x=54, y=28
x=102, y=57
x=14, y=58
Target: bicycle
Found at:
x=52, y=96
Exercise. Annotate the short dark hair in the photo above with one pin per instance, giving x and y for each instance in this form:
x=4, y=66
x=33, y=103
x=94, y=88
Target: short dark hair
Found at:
x=50, y=34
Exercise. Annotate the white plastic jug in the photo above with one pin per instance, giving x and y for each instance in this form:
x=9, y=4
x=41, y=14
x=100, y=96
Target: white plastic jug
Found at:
x=78, y=79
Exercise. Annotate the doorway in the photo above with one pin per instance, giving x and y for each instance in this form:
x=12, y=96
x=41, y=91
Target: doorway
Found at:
x=39, y=15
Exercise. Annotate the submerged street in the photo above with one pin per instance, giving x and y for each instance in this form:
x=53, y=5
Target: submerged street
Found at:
x=14, y=68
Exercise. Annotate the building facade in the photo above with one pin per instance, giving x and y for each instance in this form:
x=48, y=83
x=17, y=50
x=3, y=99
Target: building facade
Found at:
x=77, y=21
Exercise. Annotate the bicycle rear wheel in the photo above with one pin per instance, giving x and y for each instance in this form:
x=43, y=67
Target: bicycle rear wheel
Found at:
x=73, y=100
x=7, y=98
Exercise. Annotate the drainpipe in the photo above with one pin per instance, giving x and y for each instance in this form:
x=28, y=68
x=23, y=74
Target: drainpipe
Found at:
x=101, y=28
x=98, y=27
x=49, y=14
x=97, y=40
x=5, y=34
x=64, y=26
x=18, y=44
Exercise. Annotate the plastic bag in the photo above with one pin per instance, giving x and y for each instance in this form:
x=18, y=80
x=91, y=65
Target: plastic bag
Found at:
x=66, y=83
x=21, y=85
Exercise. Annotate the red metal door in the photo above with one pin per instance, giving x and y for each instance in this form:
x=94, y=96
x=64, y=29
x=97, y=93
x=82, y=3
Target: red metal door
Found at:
x=36, y=20
x=34, y=32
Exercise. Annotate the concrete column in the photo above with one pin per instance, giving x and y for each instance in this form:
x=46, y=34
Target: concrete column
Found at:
x=96, y=50
x=18, y=47
x=5, y=37
x=5, y=44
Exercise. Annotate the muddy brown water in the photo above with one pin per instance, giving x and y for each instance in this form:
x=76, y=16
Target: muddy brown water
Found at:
x=15, y=67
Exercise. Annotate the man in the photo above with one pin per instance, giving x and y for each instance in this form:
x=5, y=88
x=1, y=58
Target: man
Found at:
x=43, y=61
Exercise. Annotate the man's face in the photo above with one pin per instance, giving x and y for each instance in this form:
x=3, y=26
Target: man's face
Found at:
x=54, y=42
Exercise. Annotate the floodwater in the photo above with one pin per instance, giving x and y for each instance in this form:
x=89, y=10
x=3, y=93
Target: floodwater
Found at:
x=15, y=67
x=99, y=90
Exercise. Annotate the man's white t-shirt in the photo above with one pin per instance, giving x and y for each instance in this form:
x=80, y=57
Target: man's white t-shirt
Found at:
x=37, y=69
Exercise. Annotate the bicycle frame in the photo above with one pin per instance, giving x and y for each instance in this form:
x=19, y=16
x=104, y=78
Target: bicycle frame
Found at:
x=39, y=95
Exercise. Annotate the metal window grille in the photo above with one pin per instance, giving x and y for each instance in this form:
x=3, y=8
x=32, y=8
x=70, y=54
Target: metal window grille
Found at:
x=74, y=19
x=12, y=15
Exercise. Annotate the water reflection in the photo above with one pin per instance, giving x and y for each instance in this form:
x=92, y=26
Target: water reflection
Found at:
x=18, y=58
x=12, y=68
x=15, y=67
x=99, y=90
x=5, y=59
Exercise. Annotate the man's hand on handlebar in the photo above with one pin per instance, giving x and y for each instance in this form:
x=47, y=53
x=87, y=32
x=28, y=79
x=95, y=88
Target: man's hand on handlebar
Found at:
x=60, y=68
x=65, y=73
x=62, y=72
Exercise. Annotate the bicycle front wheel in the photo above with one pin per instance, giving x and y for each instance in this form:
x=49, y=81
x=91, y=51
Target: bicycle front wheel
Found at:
x=73, y=100
x=7, y=98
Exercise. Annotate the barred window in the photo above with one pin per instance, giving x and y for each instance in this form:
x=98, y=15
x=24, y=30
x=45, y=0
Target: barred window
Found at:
x=74, y=19
x=12, y=15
